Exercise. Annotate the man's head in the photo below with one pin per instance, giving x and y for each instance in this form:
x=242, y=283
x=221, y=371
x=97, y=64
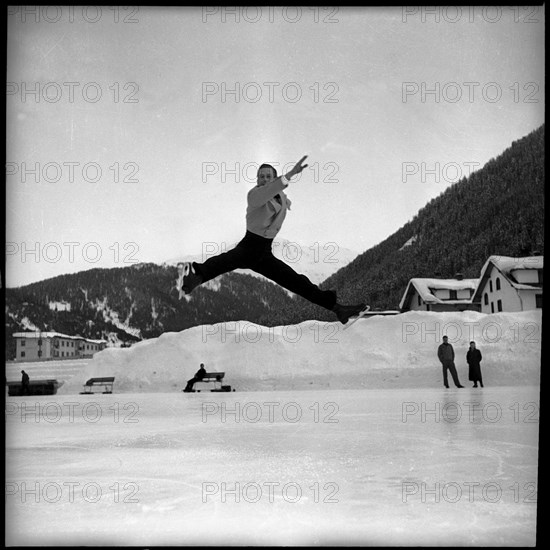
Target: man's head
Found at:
x=202, y=365
x=445, y=340
x=266, y=173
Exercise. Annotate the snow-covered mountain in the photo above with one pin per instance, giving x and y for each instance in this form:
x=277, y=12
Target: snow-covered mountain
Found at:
x=139, y=301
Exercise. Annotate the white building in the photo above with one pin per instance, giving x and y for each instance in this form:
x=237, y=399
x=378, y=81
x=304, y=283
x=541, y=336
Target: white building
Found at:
x=40, y=346
x=510, y=284
x=440, y=295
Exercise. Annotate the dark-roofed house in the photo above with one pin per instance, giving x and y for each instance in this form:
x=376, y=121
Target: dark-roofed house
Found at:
x=510, y=284
x=440, y=295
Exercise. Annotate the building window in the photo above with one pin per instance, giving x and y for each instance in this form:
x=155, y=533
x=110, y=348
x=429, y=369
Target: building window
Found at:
x=23, y=343
x=538, y=300
x=452, y=294
x=486, y=299
x=492, y=307
x=498, y=283
x=499, y=305
x=39, y=342
x=491, y=285
x=419, y=300
x=22, y=354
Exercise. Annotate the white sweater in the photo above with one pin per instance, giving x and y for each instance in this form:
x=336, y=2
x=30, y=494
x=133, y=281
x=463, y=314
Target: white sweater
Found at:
x=264, y=214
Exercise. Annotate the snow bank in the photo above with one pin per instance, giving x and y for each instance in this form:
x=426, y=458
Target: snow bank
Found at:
x=390, y=351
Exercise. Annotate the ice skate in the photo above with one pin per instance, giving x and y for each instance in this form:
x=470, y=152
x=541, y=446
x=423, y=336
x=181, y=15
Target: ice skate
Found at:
x=345, y=312
x=187, y=279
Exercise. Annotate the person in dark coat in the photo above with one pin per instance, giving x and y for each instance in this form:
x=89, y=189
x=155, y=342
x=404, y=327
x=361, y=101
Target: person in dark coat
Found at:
x=473, y=357
x=199, y=375
x=446, y=355
x=25, y=384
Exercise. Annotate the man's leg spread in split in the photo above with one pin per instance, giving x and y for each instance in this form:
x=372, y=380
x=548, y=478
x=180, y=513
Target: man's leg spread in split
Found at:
x=195, y=274
x=282, y=274
x=277, y=271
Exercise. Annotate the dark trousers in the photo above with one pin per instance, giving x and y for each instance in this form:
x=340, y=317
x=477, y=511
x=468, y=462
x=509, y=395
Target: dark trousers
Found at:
x=191, y=383
x=452, y=369
x=254, y=252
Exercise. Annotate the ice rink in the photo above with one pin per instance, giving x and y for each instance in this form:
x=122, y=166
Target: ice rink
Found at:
x=417, y=466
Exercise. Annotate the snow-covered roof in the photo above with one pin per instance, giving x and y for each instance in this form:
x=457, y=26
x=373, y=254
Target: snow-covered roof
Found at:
x=507, y=265
x=424, y=287
x=46, y=334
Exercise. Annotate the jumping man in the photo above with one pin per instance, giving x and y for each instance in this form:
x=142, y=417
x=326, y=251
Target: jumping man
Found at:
x=265, y=214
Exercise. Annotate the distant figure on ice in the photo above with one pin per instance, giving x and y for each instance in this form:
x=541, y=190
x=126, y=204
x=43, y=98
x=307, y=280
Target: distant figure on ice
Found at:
x=473, y=357
x=446, y=355
x=266, y=211
x=199, y=375
x=25, y=384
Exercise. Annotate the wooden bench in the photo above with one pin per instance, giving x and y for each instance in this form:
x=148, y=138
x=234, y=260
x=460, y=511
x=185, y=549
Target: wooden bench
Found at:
x=215, y=377
x=107, y=382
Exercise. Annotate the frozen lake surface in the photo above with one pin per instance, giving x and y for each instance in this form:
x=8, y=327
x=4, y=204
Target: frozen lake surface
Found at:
x=417, y=466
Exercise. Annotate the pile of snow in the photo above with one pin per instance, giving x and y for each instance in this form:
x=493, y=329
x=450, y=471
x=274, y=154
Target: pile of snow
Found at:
x=390, y=351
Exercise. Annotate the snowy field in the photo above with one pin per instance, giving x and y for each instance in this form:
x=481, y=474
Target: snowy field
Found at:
x=362, y=467
x=331, y=437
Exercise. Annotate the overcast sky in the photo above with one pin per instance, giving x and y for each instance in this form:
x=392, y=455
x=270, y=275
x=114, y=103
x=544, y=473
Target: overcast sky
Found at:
x=134, y=133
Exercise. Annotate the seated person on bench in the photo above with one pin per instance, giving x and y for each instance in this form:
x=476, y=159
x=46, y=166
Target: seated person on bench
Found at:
x=199, y=375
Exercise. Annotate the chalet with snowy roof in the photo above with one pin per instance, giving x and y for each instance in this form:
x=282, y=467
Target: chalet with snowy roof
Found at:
x=510, y=284
x=440, y=295
x=41, y=346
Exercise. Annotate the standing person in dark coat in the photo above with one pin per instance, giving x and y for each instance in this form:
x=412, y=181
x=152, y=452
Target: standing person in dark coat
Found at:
x=199, y=375
x=473, y=357
x=25, y=384
x=446, y=355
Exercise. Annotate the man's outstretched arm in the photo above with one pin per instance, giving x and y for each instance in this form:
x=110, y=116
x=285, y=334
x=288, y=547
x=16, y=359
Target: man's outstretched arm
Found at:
x=261, y=194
